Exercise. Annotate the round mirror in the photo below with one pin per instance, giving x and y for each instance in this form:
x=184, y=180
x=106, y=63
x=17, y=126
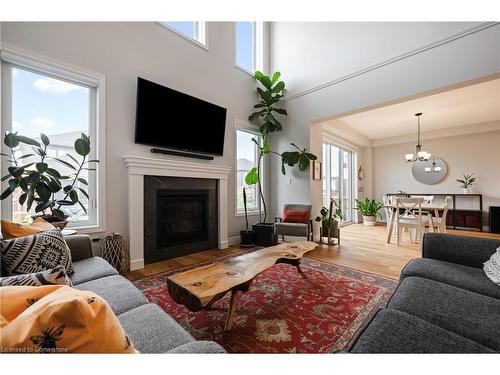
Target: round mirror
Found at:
x=429, y=172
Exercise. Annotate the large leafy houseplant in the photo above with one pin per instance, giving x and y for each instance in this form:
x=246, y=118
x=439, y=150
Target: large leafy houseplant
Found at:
x=369, y=209
x=40, y=182
x=329, y=218
x=265, y=115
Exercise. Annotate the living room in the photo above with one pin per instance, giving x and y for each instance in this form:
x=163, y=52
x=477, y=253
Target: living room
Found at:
x=234, y=186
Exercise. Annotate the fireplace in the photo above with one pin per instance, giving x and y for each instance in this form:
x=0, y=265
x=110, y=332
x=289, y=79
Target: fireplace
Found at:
x=180, y=216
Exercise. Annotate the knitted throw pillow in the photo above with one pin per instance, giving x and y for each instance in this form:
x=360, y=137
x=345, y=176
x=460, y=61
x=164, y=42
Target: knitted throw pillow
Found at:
x=36, y=253
x=55, y=276
x=492, y=267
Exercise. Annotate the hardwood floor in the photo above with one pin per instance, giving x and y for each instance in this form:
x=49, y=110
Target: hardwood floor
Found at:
x=362, y=247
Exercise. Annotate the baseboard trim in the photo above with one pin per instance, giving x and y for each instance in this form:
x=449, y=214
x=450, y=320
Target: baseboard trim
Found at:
x=234, y=240
x=437, y=43
x=136, y=264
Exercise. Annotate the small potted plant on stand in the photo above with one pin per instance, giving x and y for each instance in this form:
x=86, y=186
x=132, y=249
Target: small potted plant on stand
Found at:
x=369, y=209
x=329, y=218
x=42, y=187
x=246, y=236
x=467, y=181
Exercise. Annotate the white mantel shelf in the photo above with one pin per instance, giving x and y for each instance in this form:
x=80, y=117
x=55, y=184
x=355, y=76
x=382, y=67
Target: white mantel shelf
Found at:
x=138, y=167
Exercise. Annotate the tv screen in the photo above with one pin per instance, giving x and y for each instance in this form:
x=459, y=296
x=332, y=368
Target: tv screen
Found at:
x=170, y=119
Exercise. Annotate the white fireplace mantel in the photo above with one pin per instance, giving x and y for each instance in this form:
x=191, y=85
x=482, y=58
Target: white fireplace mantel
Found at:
x=138, y=167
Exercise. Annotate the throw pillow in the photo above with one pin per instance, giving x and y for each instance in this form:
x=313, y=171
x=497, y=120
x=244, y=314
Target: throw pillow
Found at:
x=59, y=319
x=55, y=276
x=12, y=230
x=296, y=216
x=492, y=267
x=36, y=253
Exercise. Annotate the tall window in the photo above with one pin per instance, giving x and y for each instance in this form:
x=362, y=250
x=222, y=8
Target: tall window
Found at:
x=246, y=159
x=249, y=46
x=194, y=30
x=338, y=181
x=36, y=102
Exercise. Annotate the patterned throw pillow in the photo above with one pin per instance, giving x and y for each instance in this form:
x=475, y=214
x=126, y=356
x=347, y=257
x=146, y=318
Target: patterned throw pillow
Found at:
x=492, y=267
x=58, y=319
x=55, y=276
x=36, y=253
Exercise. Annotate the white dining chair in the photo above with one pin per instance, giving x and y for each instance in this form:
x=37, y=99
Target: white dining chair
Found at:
x=388, y=200
x=438, y=221
x=409, y=215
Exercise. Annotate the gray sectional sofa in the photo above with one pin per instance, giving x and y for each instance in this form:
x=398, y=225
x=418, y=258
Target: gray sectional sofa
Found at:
x=150, y=329
x=444, y=302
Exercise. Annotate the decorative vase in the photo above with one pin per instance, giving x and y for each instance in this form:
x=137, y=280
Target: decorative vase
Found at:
x=369, y=220
x=466, y=190
x=113, y=249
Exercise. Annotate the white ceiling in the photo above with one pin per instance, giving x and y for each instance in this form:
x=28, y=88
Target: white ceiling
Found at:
x=473, y=104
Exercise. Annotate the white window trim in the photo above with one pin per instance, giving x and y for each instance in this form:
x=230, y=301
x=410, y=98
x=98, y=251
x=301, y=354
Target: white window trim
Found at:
x=67, y=72
x=200, y=32
x=248, y=127
x=257, y=48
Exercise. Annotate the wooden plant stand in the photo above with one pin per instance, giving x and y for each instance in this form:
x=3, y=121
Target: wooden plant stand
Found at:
x=200, y=287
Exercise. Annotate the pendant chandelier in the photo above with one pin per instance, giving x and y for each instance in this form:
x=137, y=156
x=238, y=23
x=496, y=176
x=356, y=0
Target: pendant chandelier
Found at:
x=434, y=168
x=419, y=154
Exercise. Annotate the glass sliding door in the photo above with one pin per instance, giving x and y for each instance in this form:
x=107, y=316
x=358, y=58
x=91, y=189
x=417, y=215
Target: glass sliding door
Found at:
x=338, y=181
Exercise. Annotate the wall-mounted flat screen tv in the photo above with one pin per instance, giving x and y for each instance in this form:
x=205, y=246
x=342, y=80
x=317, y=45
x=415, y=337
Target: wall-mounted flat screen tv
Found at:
x=170, y=119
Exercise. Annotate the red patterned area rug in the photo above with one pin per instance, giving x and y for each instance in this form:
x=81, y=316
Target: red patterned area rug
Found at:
x=284, y=312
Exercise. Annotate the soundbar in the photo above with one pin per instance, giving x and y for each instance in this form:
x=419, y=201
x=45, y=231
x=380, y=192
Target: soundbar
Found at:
x=181, y=153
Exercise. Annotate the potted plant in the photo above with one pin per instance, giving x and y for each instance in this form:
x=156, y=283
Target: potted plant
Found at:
x=467, y=181
x=329, y=218
x=369, y=209
x=270, y=94
x=246, y=236
x=42, y=186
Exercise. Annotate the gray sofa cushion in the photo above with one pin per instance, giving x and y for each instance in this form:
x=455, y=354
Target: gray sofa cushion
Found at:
x=292, y=229
x=465, y=313
x=91, y=269
x=470, y=278
x=393, y=331
x=199, y=347
x=120, y=293
x=153, y=331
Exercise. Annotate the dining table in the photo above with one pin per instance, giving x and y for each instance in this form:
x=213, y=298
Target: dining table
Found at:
x=427, y=207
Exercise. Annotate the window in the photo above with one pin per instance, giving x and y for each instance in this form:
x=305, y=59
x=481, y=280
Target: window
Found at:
x=40, y=101
x=338, y=181
x=249, y=46
x=246, y=159
x=193, y=30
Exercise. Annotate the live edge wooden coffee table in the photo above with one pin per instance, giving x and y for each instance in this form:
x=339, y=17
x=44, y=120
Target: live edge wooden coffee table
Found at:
x=200, y=287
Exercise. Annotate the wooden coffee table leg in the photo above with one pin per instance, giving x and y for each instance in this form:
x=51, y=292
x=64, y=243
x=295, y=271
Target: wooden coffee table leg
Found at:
x=230, y=312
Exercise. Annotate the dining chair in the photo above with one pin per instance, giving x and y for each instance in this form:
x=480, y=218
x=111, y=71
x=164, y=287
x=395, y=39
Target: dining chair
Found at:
x=387, y=200
x=409, y=215
x=438, y=221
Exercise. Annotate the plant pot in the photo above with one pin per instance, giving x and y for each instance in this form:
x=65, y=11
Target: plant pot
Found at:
x=369, y=220
x=333, y=229
x=54, y=220
x=265, y=234
x=466, y=190
x=247, y=238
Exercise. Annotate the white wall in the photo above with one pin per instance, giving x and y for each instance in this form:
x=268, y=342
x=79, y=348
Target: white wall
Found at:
x=308, y=53
x=472, y=153
x=124, y=50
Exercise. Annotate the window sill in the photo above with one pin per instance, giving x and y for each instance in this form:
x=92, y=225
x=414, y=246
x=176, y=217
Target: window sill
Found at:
x=242, y=214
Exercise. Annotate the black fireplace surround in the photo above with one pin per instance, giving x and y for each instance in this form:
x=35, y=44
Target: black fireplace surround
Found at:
x=180, y=216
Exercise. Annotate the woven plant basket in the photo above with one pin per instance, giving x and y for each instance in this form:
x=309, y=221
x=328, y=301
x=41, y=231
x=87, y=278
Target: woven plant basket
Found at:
x=113, y=248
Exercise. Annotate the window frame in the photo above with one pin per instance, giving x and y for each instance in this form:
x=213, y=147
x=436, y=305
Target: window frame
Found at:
x=245, y=126
x=257, y=47
x=15, y=57
x=200, y=31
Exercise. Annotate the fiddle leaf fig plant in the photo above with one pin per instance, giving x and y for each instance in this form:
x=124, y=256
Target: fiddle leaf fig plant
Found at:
x=267, y=116
x=40, y=182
